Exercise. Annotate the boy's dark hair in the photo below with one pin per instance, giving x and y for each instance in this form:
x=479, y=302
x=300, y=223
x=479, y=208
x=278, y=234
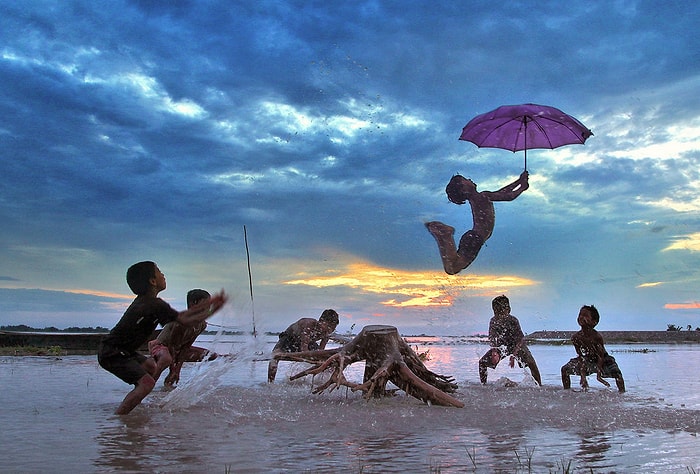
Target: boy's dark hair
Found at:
x=500, y=302
x=454, y=194
x=594, y=313
x=138, y=277
x=196, y=295
x=329, y=316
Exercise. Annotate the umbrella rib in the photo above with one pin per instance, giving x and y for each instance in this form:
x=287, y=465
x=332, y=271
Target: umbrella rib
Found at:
x=495, y=129
x=542, y=130
x=578, y=138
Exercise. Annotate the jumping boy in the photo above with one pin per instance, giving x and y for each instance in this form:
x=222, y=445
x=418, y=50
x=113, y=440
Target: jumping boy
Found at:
x=506, y=338
x=302, y=336
x=173, y=346
x=118, y=352
x=592, y=356
x=460, y=190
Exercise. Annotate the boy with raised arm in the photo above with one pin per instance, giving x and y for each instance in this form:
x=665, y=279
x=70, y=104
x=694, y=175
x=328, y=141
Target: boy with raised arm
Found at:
x=460, y=190
x=174, y=345
x=118, y=352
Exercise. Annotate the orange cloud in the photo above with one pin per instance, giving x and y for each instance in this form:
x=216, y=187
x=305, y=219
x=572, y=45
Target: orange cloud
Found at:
x=411, y=288
x=102, y=294
x=693, y=305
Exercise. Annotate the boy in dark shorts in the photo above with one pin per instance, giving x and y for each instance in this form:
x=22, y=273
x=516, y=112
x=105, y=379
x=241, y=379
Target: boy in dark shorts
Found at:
x=173, y=346
x=118, y=352
x=506, y=338
x=302, y=336
x=592, y=356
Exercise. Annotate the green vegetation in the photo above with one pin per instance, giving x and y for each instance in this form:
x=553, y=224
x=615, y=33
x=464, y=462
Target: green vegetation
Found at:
x=53, y=351
x=673, y=327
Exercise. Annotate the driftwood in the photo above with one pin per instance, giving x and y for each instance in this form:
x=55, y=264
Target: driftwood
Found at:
x=388, y=358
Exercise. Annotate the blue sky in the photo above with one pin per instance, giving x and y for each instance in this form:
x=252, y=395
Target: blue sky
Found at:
x=143, y=130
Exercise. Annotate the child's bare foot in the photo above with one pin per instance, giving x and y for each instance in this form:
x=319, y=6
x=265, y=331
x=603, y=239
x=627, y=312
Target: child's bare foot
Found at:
x=440, y=230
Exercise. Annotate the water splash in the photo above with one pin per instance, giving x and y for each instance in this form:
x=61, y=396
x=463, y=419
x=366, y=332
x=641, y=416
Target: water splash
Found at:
x=205, y=379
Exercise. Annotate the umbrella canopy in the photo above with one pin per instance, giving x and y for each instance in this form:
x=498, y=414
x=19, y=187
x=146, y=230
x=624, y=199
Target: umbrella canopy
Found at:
x=523, y=127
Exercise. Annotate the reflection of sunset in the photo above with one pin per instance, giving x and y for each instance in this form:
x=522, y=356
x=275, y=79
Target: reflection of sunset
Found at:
x=440, y=358
x=411, y=288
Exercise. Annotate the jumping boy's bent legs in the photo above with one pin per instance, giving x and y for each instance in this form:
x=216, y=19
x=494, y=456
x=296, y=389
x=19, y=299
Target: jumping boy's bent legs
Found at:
x=455, y=260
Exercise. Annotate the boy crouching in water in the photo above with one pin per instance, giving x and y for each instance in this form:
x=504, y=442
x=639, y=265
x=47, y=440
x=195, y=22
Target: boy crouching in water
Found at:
x=118, y=352
x=592, y=356
x=174, y=345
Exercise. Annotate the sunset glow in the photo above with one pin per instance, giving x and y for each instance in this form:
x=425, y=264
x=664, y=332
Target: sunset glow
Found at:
x=412, y=288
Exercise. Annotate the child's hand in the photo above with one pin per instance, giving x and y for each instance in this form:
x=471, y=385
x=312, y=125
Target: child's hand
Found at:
x=602, y=380
x=218, y=300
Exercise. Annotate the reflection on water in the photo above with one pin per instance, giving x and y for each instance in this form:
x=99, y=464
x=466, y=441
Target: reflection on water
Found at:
x=141, y=443
x=225, y=417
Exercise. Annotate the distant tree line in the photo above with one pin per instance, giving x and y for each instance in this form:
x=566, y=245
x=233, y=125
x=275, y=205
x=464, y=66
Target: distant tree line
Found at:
x=673, y=327
x=25, y=328
x=98, y=329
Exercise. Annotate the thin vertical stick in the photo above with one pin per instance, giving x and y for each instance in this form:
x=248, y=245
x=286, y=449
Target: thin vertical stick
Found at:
x=250, y=279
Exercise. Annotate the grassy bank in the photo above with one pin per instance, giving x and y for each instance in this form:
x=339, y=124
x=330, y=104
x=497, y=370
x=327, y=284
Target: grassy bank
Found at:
x=53, y=351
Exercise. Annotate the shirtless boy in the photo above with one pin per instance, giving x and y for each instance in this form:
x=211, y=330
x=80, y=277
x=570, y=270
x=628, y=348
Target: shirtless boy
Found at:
x=303, y=336
x=174, y=345
x=460, y=190
x=592, y=356
x=506, y=338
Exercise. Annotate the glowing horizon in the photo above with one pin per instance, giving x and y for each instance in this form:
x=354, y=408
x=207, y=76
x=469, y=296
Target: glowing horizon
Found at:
x=411, y=288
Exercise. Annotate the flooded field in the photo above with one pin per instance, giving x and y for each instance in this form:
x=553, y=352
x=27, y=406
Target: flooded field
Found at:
x=57, y=416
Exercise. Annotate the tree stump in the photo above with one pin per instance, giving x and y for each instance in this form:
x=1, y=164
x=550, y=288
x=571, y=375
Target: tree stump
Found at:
x=388, y=358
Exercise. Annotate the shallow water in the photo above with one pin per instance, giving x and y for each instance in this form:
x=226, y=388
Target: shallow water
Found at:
x=57, y=417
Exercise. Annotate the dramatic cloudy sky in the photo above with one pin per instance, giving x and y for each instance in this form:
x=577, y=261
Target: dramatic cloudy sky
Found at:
x=148, y=130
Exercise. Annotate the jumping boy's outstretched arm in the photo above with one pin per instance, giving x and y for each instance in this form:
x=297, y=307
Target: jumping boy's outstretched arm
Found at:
x=203, y=310
x=510, y=191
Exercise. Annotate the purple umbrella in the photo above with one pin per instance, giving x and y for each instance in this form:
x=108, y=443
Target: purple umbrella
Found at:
x=519, y=127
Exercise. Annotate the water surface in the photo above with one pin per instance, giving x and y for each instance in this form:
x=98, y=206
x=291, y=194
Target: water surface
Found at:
x=57, y=416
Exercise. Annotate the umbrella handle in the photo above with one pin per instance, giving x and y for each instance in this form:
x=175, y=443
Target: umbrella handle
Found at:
x=525, y=123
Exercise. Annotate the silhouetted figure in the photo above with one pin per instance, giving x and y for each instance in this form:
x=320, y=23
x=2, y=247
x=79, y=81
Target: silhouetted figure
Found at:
x=118, y=352
x=303, y=336
x=592, y=356
x=174, y=345
x=460, y=190
x=506, y=338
